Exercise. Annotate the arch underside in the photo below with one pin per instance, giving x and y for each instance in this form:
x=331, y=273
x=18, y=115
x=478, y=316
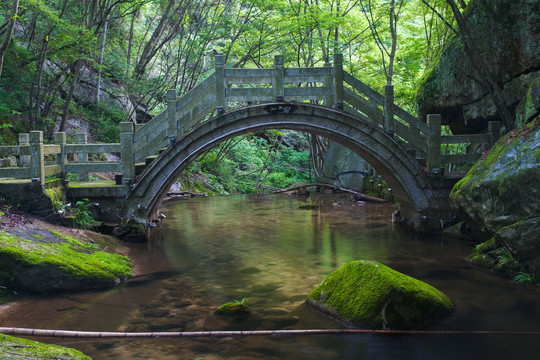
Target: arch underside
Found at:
x=403, y=174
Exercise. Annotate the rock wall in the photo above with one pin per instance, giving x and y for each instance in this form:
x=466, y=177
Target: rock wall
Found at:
x=111, y=94
x=507, y=34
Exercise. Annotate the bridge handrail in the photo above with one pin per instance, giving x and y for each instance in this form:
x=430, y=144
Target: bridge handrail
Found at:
x=36, y=160
x=330, y=84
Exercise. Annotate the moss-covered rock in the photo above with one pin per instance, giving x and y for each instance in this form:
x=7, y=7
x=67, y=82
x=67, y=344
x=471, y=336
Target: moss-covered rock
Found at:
x=499, y=199
x=371, y=295
x=12, y=348
x=234, y=310
x=61, y=264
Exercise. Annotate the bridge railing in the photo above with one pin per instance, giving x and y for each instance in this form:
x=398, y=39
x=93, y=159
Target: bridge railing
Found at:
x=32, y=159
x=225, y=88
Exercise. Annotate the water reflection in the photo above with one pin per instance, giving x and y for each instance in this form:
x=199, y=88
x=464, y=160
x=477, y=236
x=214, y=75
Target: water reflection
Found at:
x=214, y=250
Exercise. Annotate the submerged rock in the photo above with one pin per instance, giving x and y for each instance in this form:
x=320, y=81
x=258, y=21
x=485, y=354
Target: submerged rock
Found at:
x=233, y=310
x=368, y=294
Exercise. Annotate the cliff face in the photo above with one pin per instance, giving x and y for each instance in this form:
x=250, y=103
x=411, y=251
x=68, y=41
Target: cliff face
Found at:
x=507, y=34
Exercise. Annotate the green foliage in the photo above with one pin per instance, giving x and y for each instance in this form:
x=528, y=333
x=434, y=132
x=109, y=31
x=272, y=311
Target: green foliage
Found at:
x=83, y=216
x=237, y=165
x=524, y=278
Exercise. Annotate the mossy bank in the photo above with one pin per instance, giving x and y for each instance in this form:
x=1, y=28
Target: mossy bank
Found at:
x=368, y=294
x=38, y=257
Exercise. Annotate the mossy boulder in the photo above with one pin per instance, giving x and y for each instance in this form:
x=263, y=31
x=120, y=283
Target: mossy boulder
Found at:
x=368, y=294
x=62, y=263
x=12, y=348
x=233, y=310
x=506, y=33
x=499, y=199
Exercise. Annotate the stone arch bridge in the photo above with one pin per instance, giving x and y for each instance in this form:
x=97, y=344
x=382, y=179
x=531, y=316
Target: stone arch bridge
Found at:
x=326, y=101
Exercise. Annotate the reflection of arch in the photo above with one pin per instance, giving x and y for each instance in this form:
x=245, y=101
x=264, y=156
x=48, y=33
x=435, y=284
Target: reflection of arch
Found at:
x=398, y=168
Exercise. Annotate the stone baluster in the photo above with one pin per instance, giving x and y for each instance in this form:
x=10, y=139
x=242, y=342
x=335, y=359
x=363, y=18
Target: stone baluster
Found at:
x=434, y=143
x=128, y=156
x=221, y=105
x=37, y=160
x=82, y=157
x=279, y=89
x=338, y=81
x=60, y=139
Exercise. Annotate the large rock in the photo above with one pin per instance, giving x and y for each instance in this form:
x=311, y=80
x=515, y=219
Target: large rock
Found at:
x=343, y=167
x=499, y=199
x=369, y=294
x=507, y=34
x=58, y=263
x=112, y=95
x=503, y=188
x=12, y=348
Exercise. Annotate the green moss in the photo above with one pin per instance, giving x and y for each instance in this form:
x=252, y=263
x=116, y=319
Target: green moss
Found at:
x=369, y=294
x=93, y=184
x=16, y=348
x=73, y=262
x=234, y=310
x=486, y=246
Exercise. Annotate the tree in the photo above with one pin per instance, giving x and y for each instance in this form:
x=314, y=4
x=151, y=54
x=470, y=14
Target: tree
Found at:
x=8, y=32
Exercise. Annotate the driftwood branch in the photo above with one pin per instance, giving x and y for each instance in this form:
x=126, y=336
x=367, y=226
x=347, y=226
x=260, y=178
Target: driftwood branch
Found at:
x=232, y=333
x=357, y=195
x=184, y=193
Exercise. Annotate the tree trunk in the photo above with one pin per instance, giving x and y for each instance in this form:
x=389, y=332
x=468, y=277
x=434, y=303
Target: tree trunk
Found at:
x=101, y=53
x=9, y=31
x=73, y=85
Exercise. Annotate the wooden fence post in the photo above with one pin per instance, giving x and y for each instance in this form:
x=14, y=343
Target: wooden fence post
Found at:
x=37, y=160
x=221, y=106
x=172, y=115
x=60, y=139
x=24, y=140
x=128, y=158
x=434, y=142
x=279, y=91
x=82, y=157
x=338, y=81
x=388, y=107
x=494, y=130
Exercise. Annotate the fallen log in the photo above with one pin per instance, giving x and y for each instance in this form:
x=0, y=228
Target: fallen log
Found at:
x=184, y=193
x=357, y=195
x=235, y=333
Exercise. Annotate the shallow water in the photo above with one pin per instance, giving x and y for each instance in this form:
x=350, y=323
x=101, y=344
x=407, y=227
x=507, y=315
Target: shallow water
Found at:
x=213, y=250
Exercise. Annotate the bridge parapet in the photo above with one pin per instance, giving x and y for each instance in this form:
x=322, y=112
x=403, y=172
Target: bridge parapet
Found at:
x=220, y=93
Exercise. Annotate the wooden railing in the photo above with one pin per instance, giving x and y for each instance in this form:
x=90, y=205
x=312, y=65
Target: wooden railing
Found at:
x=225, y=89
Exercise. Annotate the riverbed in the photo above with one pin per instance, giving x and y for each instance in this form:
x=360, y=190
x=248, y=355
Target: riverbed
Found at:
x=266, y=251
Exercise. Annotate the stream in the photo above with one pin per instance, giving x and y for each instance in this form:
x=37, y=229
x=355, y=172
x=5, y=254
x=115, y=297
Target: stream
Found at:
x=268, y=252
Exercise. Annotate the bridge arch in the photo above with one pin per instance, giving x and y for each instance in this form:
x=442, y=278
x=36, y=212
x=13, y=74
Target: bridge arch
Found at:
x=403, y=174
